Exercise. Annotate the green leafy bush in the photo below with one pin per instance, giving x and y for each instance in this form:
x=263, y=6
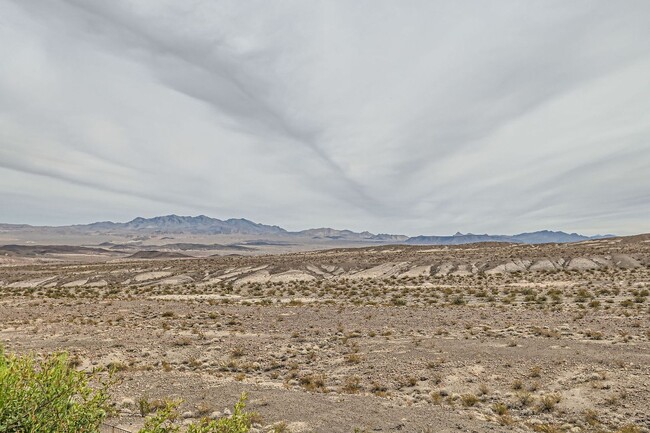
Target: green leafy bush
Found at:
x=164, y=421
x=238, y=422
x=48, y=395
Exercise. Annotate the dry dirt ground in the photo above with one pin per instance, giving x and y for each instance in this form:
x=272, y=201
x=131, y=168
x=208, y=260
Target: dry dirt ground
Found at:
x=552, y=338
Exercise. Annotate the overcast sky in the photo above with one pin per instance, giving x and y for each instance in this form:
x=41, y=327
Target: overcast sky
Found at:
x=418, y=117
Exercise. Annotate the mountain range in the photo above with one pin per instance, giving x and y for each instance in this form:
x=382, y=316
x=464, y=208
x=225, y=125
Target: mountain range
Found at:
x=539, y=237
x=212, y=226
x=204, y=225
x=186, y=224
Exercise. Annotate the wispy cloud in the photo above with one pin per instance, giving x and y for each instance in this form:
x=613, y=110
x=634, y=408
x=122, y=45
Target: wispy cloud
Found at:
x=426, y=117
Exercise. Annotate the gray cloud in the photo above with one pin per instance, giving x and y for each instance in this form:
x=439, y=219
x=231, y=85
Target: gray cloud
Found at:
x=419, y=117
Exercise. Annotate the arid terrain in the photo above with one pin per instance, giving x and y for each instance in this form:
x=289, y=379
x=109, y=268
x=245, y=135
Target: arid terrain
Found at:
x=474, y=338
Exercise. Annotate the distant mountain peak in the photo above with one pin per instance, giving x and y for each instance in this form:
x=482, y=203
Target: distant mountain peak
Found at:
x=191, y=224
x=205, y=225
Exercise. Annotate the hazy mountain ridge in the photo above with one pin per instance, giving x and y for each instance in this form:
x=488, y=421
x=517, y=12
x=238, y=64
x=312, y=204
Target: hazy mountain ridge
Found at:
x=212, y=226
x=329, y=233
x=183, y=224
x=539, y=237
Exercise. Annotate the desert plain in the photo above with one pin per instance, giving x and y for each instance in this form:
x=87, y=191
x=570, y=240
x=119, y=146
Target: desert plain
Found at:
x=474, y=338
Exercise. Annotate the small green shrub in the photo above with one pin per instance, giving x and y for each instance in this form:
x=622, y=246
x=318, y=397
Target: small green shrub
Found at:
x=49, y=395
x=238, y=422
x=164, y=420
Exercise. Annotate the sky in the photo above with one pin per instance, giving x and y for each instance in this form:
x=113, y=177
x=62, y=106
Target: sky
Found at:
x=418, y=117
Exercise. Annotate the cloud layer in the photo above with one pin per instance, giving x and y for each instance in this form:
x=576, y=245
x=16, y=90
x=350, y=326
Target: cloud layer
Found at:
x=418, y=117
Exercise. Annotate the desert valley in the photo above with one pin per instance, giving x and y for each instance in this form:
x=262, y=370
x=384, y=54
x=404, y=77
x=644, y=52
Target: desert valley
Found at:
x=492, y=336
x=324, y=216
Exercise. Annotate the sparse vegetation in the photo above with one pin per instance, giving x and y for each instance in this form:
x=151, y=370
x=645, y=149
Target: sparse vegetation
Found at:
x=469, y=400
x=538, y=334
x=48, y=394
x=549, y=401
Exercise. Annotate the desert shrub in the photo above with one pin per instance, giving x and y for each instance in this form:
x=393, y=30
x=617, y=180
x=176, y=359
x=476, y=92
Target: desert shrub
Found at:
x=49, y=395
x=549, y=401
x=238, y=352
x=591, y=416
x=629, y=428
x=352, y=384
x=525, y=399
x=399, y=302
x=146, y=406
x=164, y=420
x=505, y=420
x=517, y=384
x=280, y=427
x=469, y=400
x=353, y=358
x=458, y=300
x=239, y=422
x=500, y=408
x=313, y=382
x=547, y=428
